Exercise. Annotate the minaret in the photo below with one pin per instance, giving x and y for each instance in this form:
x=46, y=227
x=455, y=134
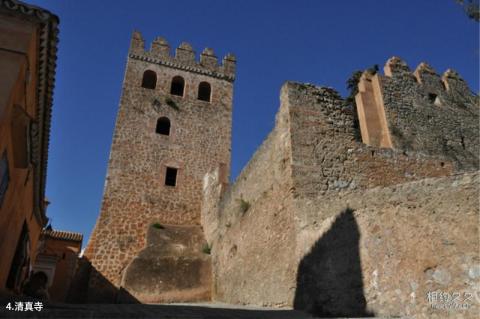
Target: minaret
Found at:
x=173, y=126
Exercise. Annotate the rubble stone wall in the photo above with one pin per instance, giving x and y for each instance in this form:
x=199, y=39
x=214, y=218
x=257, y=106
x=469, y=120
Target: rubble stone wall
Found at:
x=327, y=158
x=426, y=113
x=254, y=240
x=373, y=230
x=385, y=249
x=135, y=194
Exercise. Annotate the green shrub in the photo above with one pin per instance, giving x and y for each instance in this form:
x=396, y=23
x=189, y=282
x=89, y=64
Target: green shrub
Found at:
x=244, y=205
x=171, y=103
x=207, y=249
x=157, y=226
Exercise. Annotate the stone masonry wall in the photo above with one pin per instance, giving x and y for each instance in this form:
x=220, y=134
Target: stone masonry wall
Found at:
x=327, y=158
x=431, y=114
x=371, y=226
x=383, y=250
x=253, y=240
x=135, y=194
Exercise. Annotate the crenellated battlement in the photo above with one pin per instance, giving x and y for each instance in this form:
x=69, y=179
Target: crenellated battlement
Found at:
x=449, y=86
x=395, y=67
x=311, y=170
x=453, y=82
x=421, y=111
x=426, y=76
x=184, y=58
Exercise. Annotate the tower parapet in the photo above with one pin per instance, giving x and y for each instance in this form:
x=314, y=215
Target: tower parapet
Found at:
x=208, y=59
x=160, y=48
x=137, y=43
x=184, y=58
x=229, y=63
x=185, y=54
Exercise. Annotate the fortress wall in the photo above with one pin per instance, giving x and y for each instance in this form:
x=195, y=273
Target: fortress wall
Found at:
x=327, y=158
x=425, y=112
x=322, y=135
x=343, y=228
x=337, y=181
x=252, y=248
x=390, y=248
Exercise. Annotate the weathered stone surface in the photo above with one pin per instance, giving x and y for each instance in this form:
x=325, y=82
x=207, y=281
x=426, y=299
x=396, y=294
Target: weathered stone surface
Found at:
x=412, y=239
x=425, y=113
x=317, y=220
x=338, y=228
x=135, y=194
x=325, y=156
x=171, y=268
x=253, y=241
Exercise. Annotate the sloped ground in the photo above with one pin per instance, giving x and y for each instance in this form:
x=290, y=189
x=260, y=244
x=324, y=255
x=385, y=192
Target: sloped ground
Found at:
x=177, y=311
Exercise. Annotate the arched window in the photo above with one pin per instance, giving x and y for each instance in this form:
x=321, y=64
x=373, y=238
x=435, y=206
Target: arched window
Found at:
x=163, y=126
x=149, y=80
x=178, y=85
x=204, y=91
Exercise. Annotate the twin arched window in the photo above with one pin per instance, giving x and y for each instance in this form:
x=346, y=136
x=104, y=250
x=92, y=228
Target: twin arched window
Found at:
x=149, y=80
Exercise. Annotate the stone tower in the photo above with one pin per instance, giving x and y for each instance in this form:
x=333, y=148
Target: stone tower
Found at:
x=172, y=127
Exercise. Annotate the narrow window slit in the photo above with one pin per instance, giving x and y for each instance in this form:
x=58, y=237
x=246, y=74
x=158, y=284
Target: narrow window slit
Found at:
x=171, y=176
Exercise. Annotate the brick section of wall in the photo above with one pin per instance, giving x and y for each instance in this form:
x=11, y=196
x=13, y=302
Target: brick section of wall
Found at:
x=371, y=112
x=135, y=194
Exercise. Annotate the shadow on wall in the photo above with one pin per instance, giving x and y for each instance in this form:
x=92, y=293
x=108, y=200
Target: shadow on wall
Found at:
x=101, y=291
x=329, y=278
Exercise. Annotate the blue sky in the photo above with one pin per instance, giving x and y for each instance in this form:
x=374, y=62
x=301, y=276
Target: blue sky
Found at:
x=320, y=42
